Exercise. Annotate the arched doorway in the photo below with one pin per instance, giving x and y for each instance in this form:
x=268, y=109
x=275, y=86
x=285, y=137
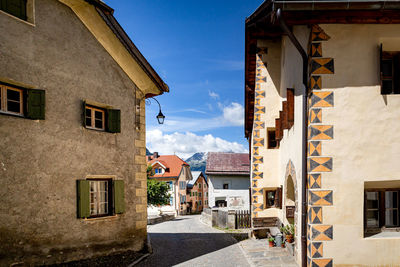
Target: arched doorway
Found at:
x=290, y=198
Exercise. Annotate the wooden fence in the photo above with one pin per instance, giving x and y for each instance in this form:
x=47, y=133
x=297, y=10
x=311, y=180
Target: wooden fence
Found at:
x=242, y=219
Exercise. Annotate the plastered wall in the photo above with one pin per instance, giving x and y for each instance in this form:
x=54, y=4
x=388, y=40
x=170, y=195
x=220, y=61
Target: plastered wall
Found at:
x=41, y=160
x=365, y=144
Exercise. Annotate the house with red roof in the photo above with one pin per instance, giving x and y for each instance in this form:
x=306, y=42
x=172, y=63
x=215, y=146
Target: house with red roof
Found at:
x=197, y=193
x=176, y=173
x=228, y=176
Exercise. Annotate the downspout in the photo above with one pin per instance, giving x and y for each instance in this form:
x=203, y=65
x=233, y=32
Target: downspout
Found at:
x=304, y=56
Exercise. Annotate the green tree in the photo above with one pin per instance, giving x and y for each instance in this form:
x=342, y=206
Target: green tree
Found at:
x=157, y=191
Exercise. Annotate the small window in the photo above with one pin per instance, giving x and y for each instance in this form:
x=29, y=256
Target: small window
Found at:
x=16, y=8
x=273, y=198
x=100, y=198
x=95, y=118
x=29, y=103
x=381, y=210
x=101, y=119
x=199, y=194
x=199, y=185
x=225, y=186
x=199, y=202
x=390, y=72
x=272, y=142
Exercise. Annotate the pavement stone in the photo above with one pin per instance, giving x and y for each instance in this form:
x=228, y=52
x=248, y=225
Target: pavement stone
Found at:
x=274, y=256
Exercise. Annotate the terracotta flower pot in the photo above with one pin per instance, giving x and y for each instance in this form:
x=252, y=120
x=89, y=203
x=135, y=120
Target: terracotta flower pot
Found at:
x=271, y=243
x=289, y=238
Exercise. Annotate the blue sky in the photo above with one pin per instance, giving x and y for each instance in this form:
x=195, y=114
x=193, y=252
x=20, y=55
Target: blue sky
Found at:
x=197, y=47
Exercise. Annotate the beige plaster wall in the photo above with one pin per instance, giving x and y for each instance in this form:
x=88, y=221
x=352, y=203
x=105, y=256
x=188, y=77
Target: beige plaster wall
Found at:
x=290, y=147
x=41, y=160
x=366, y=140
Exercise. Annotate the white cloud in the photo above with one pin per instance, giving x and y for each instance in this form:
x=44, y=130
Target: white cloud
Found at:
x=232, y=116
x=213, y=95
x=234, y=113
x=186, y=144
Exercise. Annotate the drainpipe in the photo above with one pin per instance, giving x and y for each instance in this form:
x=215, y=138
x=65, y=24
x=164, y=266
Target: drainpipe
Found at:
x=304, y=56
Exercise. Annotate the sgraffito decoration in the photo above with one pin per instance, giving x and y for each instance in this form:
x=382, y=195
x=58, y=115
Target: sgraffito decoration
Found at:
x=318, y=164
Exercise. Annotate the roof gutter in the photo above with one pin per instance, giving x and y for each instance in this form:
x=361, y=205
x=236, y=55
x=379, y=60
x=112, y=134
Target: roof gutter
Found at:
x=304, y=56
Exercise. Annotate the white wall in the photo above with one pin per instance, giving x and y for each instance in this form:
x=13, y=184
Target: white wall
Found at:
x=238, y=187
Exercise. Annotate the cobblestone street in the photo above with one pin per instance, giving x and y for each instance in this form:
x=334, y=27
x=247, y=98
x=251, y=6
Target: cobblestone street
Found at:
x=186, y=241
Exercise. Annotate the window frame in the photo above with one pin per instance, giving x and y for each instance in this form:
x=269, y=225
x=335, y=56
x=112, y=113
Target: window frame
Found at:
x=277, y=197
x=93, y=110
x=394, y=58
x=271, y=131
x=381, y=210
x=4, y=100
x=110, y=203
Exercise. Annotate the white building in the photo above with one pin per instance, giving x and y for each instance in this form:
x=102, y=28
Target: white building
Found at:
x=228, y=177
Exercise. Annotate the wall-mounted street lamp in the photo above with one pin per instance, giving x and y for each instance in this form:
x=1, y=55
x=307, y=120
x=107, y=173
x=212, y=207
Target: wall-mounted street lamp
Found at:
x=160, y=116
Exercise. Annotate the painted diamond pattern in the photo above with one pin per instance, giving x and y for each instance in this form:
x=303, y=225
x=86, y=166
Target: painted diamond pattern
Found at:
x=320, y=164
x=256, y=151
x=315, y=215
x=320, y=132
x=322, y=232
x=257, y=191
x=316, y=50
x=255, y=167
x=320, y=197
x=258, y=159
x=318, y=34
x=315, y=115
x=316, y=82
x=316, y=249
x=258, y=125
x=322, y=263
x=314, y=180
x=259, y=110
x=314, y=148
x=322, y=66
x=258, y=175
x=258, y=207
x=258, y=142
x=260, y=94
x=322, y=99
x=256, y=133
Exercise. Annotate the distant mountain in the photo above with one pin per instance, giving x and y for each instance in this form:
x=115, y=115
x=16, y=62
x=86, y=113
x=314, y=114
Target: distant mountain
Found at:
x=198, y=161
x=148, y=153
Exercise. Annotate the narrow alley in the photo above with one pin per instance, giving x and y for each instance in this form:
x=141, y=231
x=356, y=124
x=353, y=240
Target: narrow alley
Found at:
x=186, y=241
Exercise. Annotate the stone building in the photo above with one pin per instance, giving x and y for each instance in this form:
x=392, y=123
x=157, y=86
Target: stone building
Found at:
x=228, y=176
x=176, y=173
x=72, y=128
x=321, y=109
x=197, y=193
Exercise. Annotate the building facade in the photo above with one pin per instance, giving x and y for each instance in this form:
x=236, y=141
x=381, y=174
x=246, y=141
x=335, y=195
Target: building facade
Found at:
x=228, y=179
x=322, y=82
x=71, y=123
x=176, y=173
x=197, y=193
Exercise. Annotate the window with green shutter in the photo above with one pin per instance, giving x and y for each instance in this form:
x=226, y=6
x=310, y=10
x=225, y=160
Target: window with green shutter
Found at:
x=16, y=8
x=17, y=101
x=101, y=119
x=100, y=197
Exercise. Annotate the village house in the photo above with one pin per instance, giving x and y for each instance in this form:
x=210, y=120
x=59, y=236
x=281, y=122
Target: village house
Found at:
x=176, y=173
x=322, y=103
x=197, y=193
x=228, y=176
x=72, y=125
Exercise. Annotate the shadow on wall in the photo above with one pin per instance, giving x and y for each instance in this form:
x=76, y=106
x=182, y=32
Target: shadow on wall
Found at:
x=174, y=248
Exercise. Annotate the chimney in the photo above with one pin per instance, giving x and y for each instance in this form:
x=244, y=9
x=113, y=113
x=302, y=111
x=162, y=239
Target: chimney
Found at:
x=155, y=155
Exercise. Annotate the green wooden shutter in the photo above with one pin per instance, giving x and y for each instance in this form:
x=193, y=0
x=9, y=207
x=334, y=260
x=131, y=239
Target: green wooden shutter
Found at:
x=16, y=8
x=35, y=104
x=83, y=200
x=84, y=113
x=114, y=121
x=119, y=196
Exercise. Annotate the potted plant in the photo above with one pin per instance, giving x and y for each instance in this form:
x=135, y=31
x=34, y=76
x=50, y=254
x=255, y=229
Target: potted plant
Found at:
x=271, y=241
x=289, y=233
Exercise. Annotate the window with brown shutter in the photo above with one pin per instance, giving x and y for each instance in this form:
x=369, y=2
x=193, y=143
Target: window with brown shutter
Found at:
x=290, y=107
x=272, y=143
x=389, y=72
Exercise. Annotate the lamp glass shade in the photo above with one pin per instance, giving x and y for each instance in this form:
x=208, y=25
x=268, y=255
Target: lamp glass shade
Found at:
x=160, y=117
